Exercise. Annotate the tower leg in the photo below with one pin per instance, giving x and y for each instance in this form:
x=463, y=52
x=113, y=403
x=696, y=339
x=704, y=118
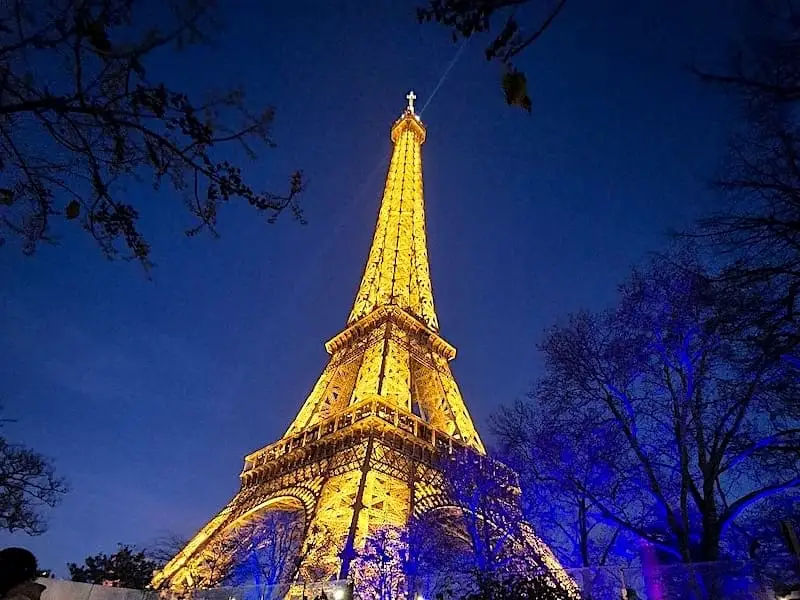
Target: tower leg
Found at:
x=349, y=545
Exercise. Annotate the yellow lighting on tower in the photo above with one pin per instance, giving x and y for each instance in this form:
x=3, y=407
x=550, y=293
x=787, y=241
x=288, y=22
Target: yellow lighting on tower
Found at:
x=363, y=450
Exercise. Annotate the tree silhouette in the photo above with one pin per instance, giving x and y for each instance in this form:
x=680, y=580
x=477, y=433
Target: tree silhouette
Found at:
x=756, y=227
x=268, y=549
x=28, y=484
x=761, y=539
x=380, y=565
x=165, y=547
x=559, y=514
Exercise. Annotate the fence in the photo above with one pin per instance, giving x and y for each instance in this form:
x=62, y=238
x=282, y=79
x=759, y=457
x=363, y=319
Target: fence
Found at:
x=58, y=589
x=709, y=581
x=699, y=581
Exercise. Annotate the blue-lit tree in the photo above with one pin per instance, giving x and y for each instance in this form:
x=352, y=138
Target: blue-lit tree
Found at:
x=439, y=558
x=380, y=564
x=262, y=554
x=564, y=517
x=560, y=513
x=429, y=557
x=268, y=549
x=668, y=414
x=498, y=548
x=485, y=494
x=472, y=542
x=754, y=230
x=434, y=558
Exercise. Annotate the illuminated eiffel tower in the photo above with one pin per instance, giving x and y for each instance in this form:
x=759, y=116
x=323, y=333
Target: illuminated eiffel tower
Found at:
x=362, y=452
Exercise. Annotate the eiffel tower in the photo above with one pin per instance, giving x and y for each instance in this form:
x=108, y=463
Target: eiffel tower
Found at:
x=362, y=452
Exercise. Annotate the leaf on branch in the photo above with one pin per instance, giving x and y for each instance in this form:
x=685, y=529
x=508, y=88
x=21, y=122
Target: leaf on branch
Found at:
x=502, y=40
x=137, y=67
x=98, y=36
x=152, y=154
x=6, y=196
x=465, y=18
x=73, y=210
x=515, y=87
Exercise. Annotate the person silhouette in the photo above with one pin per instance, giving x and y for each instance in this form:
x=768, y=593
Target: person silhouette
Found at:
x=18, y=572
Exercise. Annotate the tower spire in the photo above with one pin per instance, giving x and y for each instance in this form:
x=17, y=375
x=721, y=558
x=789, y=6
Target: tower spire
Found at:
x=397, y=271
x=411, y=96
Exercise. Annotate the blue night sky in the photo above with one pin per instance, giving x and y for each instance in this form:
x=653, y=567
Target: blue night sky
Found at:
x=147, y=394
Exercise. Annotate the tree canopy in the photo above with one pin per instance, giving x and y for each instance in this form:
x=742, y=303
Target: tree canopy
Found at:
x=126, y=568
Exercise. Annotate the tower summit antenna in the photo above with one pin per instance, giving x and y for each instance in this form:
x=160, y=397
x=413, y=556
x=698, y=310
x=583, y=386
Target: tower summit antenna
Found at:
x=411, y=96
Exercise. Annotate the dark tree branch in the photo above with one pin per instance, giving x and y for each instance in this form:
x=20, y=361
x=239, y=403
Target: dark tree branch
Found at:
x=466, y=18
x=105, y=122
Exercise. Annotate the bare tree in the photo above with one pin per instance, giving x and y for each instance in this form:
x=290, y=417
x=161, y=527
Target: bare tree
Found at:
x=440, y=558
x=484, y=492
x=756, y=229
x=681, y=420
x=28, y=484
x=214, y=564
x=762, y=538
x=81, y=120
x=314, y=558
x=429, y=557
x=499, y=540
x=165, y=547
x=266, y=551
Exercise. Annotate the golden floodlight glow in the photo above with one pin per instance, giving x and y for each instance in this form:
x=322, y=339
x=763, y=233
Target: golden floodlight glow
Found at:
x=362, y=452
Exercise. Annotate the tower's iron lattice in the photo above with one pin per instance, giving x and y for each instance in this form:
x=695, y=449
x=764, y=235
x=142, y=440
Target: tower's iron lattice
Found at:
x=365, y=449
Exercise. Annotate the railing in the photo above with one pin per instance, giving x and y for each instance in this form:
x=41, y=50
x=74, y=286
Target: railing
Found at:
x=410, y=423
x=408, y=435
